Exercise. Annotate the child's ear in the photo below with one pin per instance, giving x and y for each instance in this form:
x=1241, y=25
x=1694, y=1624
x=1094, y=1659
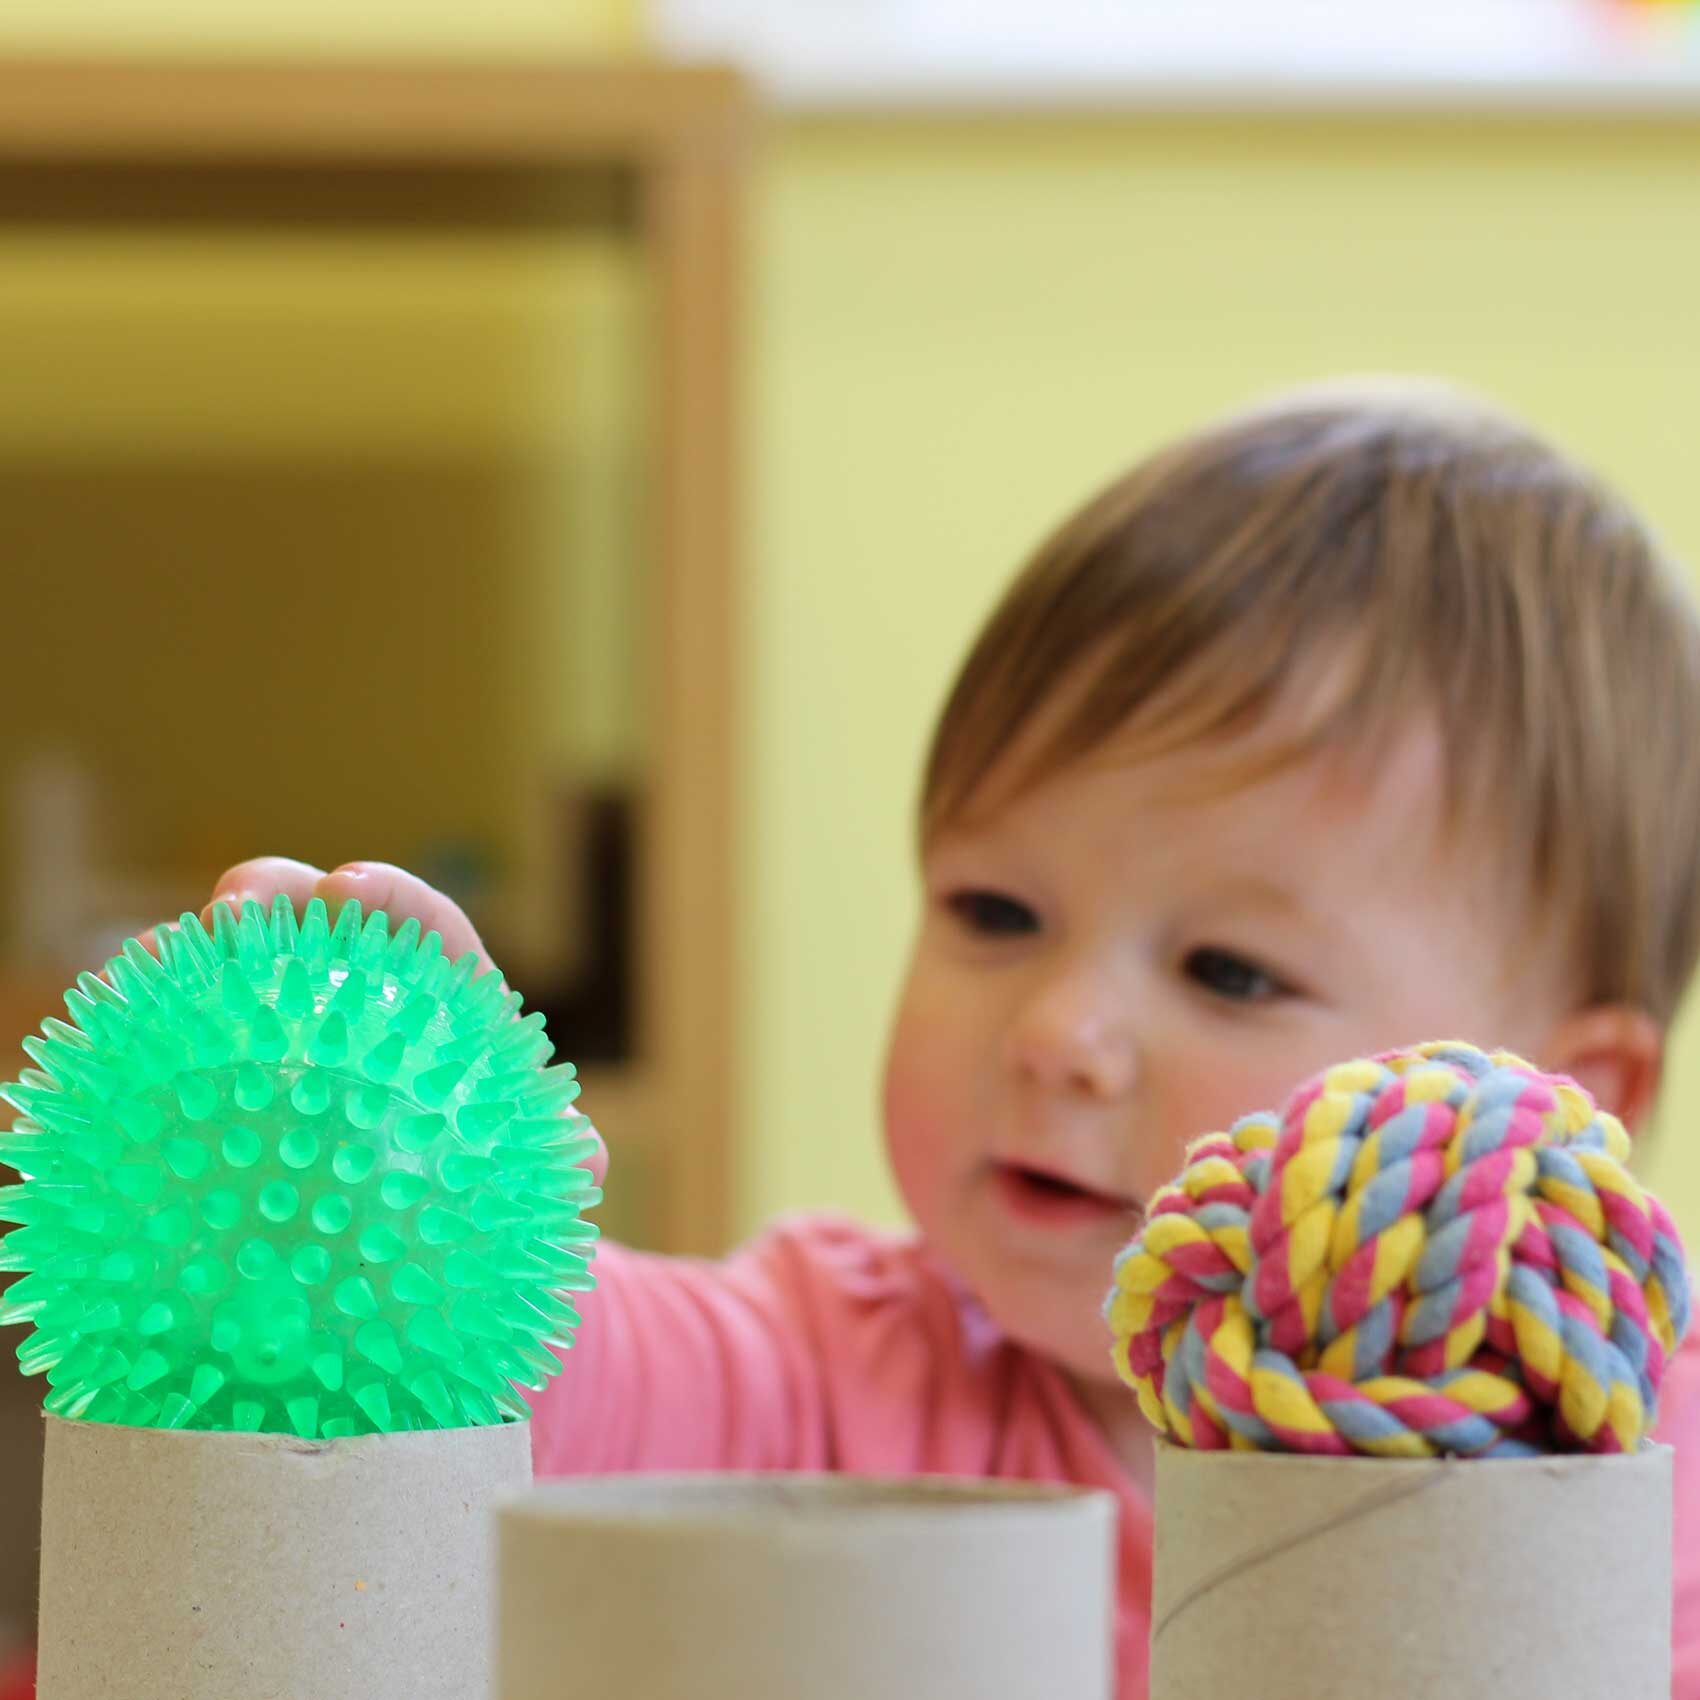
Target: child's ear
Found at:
x=1615, y=1053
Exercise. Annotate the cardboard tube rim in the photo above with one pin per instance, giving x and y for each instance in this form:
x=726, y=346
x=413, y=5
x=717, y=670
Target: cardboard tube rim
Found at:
x=757, y=1500
x=1546, y=1464
x=280, y=1440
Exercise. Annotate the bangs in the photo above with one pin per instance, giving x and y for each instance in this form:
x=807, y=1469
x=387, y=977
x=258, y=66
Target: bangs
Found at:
x=1328, y=572
x=1184, y=606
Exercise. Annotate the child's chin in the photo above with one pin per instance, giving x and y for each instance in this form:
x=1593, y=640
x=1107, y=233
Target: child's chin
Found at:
x=1071, y=1336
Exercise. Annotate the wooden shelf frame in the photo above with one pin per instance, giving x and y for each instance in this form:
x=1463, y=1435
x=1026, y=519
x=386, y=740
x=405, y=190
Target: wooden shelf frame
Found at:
x=656, y=151
x=560, y=115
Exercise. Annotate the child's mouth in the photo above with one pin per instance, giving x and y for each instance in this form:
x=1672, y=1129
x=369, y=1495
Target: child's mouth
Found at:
x=1049, y=1200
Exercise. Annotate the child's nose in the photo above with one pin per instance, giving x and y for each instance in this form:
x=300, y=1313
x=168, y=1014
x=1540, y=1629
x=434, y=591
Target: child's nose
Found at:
x=1076, y=1034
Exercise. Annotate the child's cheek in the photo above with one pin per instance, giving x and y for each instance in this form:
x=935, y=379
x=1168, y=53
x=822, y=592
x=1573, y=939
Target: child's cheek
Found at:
x=1231, y=1087
x=920, y=1117
x=907, y=1115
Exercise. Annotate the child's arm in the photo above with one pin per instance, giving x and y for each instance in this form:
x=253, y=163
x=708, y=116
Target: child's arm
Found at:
x=684, y=1364
x=1679, y=1427
x=821, y=1345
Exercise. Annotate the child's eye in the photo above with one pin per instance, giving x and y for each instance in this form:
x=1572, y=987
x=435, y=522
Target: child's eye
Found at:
x=991, y=914
x=1231, y=976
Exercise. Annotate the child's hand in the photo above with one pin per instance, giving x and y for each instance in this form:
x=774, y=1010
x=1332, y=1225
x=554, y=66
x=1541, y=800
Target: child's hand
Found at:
x=377, y=885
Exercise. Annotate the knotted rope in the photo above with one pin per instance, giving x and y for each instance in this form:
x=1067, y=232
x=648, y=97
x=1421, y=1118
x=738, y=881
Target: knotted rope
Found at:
x=1434, y=1252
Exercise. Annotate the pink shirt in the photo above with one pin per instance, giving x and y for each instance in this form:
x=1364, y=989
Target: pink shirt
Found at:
x=826, y=1346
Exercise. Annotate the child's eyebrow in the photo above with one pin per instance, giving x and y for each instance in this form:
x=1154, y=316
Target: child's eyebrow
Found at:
x=1251, y=891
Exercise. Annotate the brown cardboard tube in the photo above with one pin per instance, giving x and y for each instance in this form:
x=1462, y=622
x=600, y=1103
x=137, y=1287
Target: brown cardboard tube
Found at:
x=189, y=1566
x=1293, y=1578
x=804, y=1588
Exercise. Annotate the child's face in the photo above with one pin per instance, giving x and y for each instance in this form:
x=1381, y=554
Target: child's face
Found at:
x=1109, y=966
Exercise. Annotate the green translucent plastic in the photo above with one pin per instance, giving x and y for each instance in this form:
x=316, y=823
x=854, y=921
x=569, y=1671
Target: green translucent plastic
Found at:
x=291, y=1178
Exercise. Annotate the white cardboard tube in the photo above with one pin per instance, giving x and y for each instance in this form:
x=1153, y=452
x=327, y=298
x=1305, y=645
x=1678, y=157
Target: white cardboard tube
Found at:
x=191, y=1566
x=804, y=1588
x=1297, y=1578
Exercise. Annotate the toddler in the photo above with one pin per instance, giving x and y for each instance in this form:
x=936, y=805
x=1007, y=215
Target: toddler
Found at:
x=1360, y=719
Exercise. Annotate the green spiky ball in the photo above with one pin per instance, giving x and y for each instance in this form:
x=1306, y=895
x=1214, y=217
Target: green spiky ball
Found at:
x=291, y=1178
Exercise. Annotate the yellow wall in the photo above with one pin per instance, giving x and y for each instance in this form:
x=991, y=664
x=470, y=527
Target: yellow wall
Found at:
x=960, y=328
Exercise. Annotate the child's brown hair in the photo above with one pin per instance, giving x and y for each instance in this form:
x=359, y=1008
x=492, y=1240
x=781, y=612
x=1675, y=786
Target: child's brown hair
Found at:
x=1440, y=558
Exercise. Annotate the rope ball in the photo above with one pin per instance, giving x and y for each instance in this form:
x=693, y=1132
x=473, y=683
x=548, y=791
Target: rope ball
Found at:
x=1435, y=1252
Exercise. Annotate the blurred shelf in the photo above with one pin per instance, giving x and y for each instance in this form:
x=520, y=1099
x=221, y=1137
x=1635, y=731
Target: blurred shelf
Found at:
x=374, y=111
x=655, y=152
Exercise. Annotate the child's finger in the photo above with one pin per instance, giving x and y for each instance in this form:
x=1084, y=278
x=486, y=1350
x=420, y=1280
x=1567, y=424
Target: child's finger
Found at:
x=597, y=1161
x=261, y=879
x=380, y=885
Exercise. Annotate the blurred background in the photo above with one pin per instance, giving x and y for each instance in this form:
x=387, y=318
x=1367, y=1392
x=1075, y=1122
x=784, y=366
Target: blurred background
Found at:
x=564, y=446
